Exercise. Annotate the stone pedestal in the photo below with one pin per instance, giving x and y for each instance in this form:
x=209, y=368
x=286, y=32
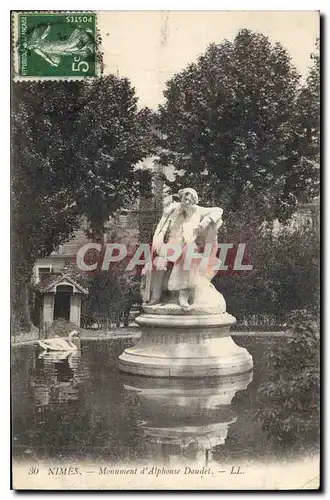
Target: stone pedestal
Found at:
x=192, y=345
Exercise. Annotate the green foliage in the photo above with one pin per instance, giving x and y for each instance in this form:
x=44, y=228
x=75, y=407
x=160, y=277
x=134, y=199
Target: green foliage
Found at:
x=232, y=126
x=75, y=147
x=309, y=122
x=110, y=295
x=289, y=398
x=285, y=276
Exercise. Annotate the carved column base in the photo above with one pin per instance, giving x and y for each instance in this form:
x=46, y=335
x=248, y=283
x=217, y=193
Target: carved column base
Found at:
x=185, y=346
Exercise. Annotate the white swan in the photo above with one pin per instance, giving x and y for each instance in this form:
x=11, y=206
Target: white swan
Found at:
x=72, y=343
x=56, y=355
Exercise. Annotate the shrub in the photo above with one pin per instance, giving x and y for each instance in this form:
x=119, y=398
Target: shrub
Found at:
x=289, y=398
x=110, y=295
x=285, y=276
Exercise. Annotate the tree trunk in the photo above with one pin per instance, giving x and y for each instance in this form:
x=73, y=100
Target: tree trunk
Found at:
x=20, y=306
x=26, y=314
x=237, y=198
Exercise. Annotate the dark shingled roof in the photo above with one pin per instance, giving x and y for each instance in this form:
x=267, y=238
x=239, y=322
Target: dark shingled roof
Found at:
x=53, y=280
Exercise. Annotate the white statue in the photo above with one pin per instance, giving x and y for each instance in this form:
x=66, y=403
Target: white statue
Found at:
x=190, y=227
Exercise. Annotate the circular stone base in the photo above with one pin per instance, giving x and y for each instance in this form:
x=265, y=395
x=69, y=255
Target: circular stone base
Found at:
x=185, y=346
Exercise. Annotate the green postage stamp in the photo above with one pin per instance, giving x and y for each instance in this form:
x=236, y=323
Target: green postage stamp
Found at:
x=55, y=45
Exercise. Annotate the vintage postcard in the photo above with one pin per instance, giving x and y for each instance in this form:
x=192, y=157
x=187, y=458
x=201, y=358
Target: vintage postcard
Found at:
x=165, y=223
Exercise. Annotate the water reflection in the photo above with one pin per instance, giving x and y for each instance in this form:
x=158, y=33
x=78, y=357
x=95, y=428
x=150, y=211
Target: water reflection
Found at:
x=82, y=407
x=55, y=378
x=185, y=419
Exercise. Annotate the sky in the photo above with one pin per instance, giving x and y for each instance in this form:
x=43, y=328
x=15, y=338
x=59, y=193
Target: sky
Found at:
x=149, y=47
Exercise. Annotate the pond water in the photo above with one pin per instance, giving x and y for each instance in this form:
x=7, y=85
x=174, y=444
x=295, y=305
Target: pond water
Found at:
x=82, y=407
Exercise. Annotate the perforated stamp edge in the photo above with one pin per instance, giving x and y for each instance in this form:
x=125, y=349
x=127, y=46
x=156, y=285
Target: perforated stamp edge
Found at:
x=15, y=75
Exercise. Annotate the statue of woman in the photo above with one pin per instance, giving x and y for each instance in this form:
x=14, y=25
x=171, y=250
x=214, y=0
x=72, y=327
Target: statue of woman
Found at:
x=190, y=227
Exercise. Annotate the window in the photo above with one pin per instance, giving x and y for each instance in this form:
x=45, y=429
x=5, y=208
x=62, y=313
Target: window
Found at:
x=42, y=272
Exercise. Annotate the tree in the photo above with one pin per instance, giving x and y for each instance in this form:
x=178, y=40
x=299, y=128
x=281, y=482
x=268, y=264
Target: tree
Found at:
x=231, y=122
x=309, y=124
x=74, y=150
x=285, y=277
